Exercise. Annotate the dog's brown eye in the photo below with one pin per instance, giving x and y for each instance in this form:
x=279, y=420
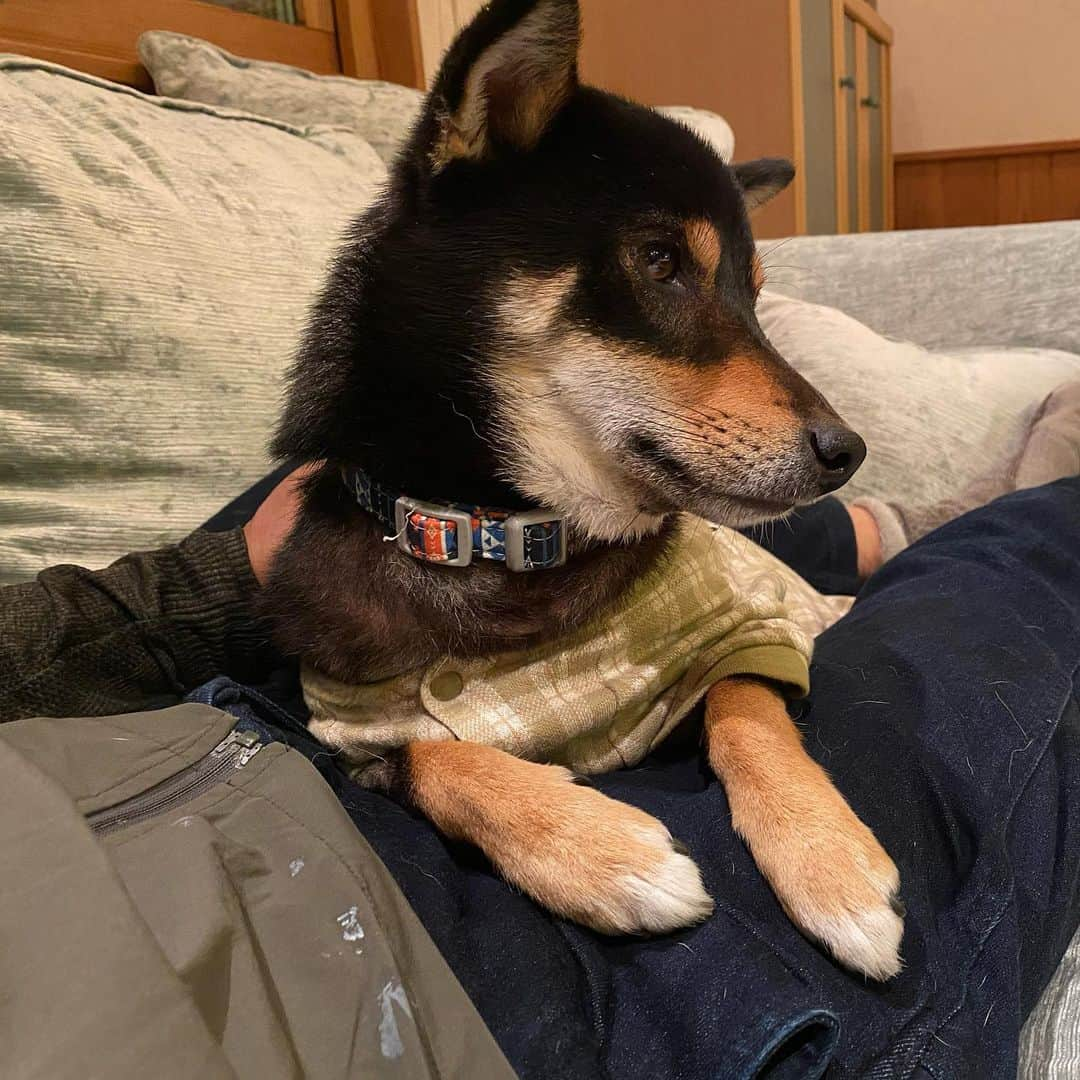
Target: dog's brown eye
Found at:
x=661, y=263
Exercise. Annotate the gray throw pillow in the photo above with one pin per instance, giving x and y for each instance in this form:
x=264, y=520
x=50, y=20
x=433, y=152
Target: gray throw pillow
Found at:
x=157, y=263
x=188, y=68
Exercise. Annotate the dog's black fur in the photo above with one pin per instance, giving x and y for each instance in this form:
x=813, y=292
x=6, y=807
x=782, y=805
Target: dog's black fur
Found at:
x=517, y=181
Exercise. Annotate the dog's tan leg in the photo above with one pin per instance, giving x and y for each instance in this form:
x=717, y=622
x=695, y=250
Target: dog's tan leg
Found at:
x=830, y=874
x=580, y=854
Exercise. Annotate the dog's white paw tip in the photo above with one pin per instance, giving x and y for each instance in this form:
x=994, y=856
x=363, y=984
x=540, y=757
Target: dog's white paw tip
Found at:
x=867, y=941
x=670, y=897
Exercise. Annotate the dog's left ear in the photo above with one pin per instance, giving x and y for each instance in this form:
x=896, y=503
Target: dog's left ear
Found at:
x=760, y=180
x=504, y=78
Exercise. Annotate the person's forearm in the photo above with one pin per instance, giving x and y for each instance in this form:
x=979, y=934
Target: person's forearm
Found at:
x=140, y=633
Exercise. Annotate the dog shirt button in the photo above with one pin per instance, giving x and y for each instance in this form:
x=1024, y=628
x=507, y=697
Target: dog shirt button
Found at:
x=446, y=686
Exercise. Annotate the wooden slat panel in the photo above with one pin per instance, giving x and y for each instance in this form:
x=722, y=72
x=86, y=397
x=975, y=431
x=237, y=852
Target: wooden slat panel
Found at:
x=969, y=191
x=1065, y=185
x=1000, y=186
x=1023, y=189
x=920, y=196
x=108, y=29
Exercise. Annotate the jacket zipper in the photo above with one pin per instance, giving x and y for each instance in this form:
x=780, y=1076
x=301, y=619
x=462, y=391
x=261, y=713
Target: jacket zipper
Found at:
x=233, y=752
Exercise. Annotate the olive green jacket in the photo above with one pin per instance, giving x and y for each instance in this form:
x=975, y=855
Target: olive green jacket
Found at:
x=179, y=900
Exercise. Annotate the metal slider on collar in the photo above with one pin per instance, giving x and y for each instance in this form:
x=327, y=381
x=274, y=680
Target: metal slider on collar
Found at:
x=534, y=539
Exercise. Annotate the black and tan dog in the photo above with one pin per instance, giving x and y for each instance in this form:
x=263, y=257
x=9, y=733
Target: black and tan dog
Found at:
x=552, y=307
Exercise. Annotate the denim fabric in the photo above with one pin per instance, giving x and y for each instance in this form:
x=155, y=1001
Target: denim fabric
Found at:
x=945, y=708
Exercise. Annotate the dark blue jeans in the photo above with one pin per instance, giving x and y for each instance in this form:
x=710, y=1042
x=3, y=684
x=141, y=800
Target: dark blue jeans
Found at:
x=944, y=706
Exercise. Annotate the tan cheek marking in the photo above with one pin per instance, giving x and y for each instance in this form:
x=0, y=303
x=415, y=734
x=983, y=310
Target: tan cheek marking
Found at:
x=739, y=398
x=704, y=244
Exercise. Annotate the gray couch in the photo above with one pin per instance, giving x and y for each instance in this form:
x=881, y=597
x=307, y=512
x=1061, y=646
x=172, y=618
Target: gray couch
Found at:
x=1015, y=285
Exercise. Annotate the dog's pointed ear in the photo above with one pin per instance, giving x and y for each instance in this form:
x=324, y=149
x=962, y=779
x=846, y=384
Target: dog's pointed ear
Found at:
x=504, y=79
x=763, y=178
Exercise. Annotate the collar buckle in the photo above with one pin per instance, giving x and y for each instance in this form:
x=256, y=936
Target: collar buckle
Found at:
x=435, y=534
x=535, y=540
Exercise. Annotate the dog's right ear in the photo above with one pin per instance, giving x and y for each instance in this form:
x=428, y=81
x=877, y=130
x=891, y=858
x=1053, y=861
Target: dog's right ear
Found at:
x=504, y=79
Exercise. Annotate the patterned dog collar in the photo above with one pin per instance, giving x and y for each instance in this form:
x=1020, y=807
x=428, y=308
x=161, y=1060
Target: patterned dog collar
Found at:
x=454, y=534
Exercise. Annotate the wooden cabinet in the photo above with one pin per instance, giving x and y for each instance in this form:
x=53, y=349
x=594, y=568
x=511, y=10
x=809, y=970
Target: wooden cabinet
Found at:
x=804, y=79
x=847, y=146
x=848, y=154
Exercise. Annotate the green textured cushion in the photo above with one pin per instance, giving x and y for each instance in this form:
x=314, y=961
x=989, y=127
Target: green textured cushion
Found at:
x=192, y=69
x=156, y=263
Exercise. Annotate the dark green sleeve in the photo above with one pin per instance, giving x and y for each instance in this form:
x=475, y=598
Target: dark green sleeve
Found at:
x=138, y=634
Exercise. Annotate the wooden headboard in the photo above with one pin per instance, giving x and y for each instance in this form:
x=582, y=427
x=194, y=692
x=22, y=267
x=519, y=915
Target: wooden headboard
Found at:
x=371, y=39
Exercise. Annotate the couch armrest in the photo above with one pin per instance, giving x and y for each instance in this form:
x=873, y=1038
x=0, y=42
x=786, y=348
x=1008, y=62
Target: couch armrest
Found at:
x=1013, y=285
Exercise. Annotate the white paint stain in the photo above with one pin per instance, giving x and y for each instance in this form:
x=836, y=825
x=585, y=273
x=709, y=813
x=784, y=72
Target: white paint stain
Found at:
x=351, y=930
x=295, y=867
x=389, y=1037
x=183, y=822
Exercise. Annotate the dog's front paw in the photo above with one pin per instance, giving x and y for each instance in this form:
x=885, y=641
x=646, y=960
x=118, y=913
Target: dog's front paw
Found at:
x=598, y=861
x=836, y=883
x=580, y=854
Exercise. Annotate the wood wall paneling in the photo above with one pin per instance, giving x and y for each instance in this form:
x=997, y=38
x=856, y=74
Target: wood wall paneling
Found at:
x=1023, y=188
x=1065, y=185
x=988, y=186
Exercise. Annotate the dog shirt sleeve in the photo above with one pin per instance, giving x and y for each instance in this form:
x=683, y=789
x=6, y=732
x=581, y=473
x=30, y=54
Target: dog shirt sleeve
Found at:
x=772, y=617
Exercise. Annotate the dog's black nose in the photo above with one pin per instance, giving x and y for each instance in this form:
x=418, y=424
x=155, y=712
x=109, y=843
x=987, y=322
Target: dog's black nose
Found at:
x=839, y=452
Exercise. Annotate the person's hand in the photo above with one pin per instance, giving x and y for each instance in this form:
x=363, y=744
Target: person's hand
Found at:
x=272, y=522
